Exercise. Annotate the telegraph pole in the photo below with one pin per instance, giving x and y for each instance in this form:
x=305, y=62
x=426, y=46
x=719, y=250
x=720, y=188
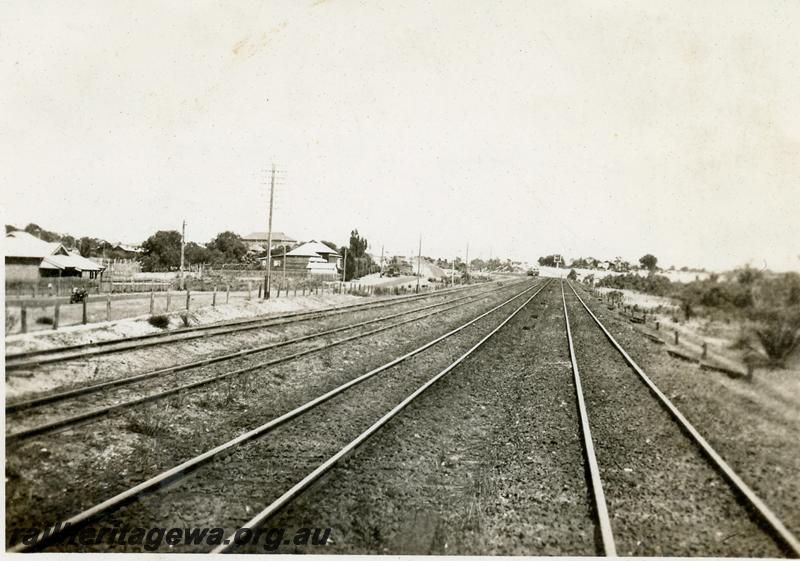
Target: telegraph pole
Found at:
x=183, y=246
x=267, y=279
x=467, y=263
x=283, y=262
x=419, y=260
x=381, y=260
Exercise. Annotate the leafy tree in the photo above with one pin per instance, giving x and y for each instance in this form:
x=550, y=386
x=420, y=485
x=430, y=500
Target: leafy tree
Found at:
x=357, y=258
x=477, y=264
x=195, y=253
x=648, y=261
x=227, y=247
x=551, y=260
x=87, y=246
x=162, y=251
x=748, y=276
x=572, y=275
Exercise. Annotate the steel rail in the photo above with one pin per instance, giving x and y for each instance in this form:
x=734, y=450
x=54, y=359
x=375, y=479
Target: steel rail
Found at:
x=103, y=411
x=60, y=396
x=606, y=534
x=229, y=543
x=778, y=529
x=24, y=359
x=184, y=468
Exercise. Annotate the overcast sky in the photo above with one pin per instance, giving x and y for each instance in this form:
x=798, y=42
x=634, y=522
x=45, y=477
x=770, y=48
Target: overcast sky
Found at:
x=524, y=128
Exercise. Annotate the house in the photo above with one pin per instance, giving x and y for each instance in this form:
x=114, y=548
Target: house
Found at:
x=309, y=258
x=30, y=258
x=257, y=241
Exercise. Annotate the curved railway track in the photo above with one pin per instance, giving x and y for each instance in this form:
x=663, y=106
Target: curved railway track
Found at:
x=767, y=518
x=35, y=358
x=180, y=471
x=128, y=397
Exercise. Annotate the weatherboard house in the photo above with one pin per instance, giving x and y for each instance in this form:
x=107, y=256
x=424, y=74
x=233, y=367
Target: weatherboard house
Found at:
x=310, y=258
x=28, y=258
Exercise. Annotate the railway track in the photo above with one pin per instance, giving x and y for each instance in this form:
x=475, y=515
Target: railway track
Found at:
x=179, y=472
x=34, y=419
x=766, y=518
x=36, y=358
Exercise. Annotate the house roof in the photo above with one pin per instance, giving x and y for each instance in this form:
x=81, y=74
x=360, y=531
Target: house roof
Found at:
x=23, y=244
x=128, y=247
x=53, y=254
x=263, y=236
x=312, y=249
x=71, y=261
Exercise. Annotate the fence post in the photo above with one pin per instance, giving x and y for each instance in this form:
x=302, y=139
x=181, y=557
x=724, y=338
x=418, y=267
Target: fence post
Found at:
x=169, y=297
x=23, y=319
x=227, y=293
x=108, y=308
x=249, y=290
x=658, y=326
x=84, y=316
x=188, y=299
x=676, y=336
x=214, y=297
x=259, y=291
x=152, y=302
x=56, y=315
x=295, y=289
x=705, y=349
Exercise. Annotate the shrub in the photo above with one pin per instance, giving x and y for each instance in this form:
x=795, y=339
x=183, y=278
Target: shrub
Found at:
x=44, y=320
x=779, y=334
x=572, y=275
x=651, y=284
x=78, y=295
x=161, y=321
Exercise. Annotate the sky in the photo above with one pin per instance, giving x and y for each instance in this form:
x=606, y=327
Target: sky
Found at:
x=520, y=128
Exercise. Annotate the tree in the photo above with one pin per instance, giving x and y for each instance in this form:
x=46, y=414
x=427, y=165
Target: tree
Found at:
x=195, y=253
x=551, y=260
x=477, y=264
x=648, y=261
x=331, y=245
x=572, y=275
x=86, y=246
x=357, y=257
x=227, y=247
x=162, y=251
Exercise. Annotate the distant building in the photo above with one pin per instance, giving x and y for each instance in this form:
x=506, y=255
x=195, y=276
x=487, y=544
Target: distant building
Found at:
x=257, y=241
x=30, y=258
x=309, y=258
